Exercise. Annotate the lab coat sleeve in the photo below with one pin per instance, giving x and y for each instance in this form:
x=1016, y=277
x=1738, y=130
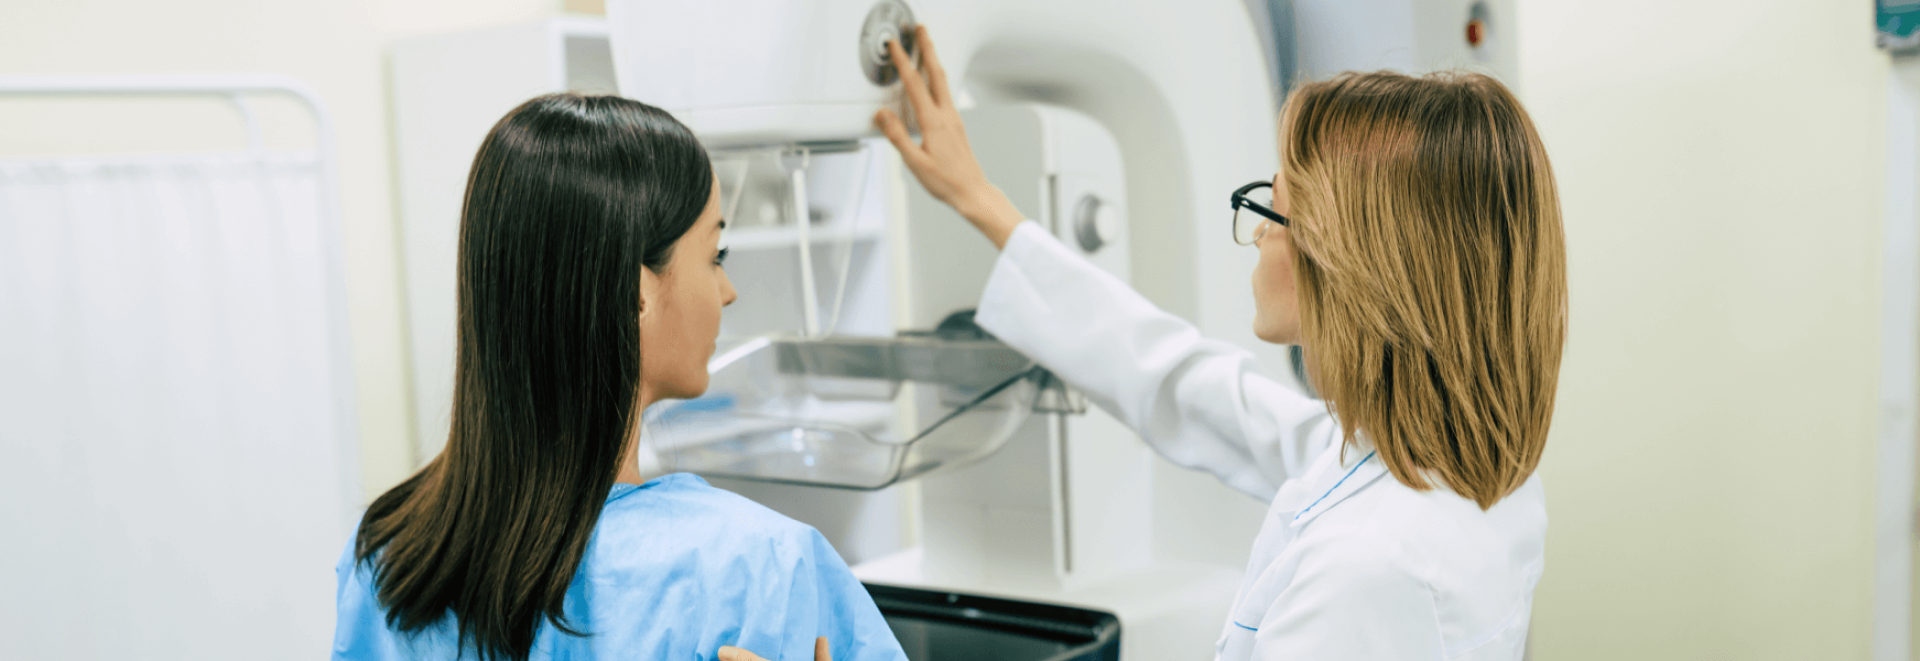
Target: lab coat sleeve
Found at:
x=1199, y=402
x=1360, y=600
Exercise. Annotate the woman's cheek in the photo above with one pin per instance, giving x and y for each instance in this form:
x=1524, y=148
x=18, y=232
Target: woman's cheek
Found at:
x=1268, y=280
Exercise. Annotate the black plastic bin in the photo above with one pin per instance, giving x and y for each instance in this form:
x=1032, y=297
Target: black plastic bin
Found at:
x=947, y=626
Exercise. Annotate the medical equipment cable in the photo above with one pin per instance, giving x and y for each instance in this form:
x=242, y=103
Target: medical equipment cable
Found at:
x=797, y=185
x=847, y=237
x=739, y=190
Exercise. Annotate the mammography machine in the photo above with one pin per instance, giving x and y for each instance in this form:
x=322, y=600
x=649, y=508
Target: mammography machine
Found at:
x=1118, y=126
x=851, y=390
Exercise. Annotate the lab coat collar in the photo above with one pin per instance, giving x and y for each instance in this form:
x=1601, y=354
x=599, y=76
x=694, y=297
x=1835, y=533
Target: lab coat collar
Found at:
x=1358, y=467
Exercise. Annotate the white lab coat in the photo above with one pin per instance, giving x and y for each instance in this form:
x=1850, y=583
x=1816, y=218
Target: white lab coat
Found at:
x=1350, y=563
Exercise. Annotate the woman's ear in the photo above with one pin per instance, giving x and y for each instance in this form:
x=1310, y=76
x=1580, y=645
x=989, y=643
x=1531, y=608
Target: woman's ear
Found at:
x=649, y=292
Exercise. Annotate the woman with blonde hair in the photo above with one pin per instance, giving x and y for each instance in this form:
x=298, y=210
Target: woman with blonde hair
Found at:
x=1414, y=247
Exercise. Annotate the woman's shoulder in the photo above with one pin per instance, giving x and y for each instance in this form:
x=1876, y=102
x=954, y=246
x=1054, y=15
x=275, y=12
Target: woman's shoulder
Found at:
x=1439, y=512
x=725, y=570
x=1478, y=563
x=682, y=511
x=1433, y=528
x=686, y=494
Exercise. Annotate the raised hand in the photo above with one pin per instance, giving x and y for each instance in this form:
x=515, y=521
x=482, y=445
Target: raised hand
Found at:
x=942, y=160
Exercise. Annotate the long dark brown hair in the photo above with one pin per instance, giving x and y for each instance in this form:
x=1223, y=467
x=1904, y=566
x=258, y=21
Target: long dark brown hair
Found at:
x=569, y=197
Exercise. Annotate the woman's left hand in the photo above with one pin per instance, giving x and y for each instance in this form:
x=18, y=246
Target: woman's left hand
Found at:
x=731, y=653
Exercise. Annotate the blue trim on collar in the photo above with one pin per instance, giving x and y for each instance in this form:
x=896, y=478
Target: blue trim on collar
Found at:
x=1336, y=485
x=1238, y=624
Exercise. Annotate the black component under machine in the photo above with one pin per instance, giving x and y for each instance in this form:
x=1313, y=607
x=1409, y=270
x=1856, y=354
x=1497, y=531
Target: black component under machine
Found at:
x=947, y=626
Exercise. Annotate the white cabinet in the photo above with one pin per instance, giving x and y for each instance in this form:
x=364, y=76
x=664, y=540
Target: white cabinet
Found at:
x=448, y=91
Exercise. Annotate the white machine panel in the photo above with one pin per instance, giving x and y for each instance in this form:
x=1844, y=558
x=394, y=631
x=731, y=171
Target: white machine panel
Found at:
x=1412, y=36
x=793, y=73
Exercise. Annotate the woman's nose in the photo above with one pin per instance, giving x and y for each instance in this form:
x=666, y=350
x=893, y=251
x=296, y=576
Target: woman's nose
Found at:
x=727, y=294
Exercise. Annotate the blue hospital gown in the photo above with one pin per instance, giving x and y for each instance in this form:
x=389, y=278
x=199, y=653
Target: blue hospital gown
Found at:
x=676, y=568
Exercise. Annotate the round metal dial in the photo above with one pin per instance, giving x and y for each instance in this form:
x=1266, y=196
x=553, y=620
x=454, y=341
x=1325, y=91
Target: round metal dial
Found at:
x=889, y=19
x=1095, y=223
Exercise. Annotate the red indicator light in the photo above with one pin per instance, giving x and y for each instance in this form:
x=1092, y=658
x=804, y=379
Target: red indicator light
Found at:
x=1476, y=32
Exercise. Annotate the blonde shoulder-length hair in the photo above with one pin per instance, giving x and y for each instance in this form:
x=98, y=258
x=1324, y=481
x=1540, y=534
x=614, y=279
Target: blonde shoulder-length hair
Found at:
x=1432, y=272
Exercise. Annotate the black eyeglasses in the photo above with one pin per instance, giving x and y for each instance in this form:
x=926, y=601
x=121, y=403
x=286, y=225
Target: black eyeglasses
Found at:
x=1252, y=208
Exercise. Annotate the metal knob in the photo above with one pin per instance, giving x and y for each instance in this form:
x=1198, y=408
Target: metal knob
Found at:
x=1095, y=223
x=889, y=19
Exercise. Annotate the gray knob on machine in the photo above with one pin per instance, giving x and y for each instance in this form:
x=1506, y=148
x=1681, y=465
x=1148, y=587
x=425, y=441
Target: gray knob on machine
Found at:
x=1095, y=223
x=888, y=20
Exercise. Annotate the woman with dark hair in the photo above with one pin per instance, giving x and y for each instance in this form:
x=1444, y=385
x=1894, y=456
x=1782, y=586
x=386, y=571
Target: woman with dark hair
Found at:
x=590, y=286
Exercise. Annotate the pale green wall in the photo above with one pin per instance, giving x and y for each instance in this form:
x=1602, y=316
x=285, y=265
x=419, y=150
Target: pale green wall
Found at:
x=1709, y=476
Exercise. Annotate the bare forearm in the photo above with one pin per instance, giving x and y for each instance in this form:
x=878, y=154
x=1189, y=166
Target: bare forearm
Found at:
x=992, y=213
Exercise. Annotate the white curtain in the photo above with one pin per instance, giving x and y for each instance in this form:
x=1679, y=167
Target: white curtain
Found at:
x=176, y=446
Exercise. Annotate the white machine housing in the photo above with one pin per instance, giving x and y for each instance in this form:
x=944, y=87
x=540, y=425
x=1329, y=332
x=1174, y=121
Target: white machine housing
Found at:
x=805, y=81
